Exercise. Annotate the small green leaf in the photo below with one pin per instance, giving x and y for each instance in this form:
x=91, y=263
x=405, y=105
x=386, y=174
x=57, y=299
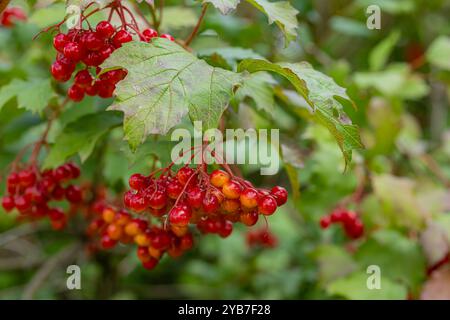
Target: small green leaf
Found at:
x=224, y=6
x=32, y=95
x=386, y=246
x=380, y=54
x=354, y=287
x=319, y=92
x=165, y=83
x=439, y=52
x=258, y=87
x=81, y=136
x=282, y=13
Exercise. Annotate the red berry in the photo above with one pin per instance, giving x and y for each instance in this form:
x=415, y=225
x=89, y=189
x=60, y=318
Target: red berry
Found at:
x=160, y=239
x=62, y=173
x=137, y=181
x=210, y=203
x=107, y=242
x=149, y=34
x=8, y=203
x=93, y=59
x=105, y=29
x=13, y=179
x=10, y=15
x=74, y=194
x=105, y=89
x=174, y=189
x=137, y=203
x=157, y=199
x=92, y=90
x=22, y=203
x=354, y=230
x=74, y=170
x=180, y=216
x=150, y=264
x=184, y=174
x=75, y=93
x=92, y=41
x=56, y=214
x=121, y=37
x=74, y=51
x=27, y=178
x=249, y=218
x=83, y=78
x=60, y=71
x=194, y=196
x=167, y=36
x=267, y=205
x=280, y=194
x=325, y=222
x=60, y=41
x=337, y=215
x=226, y=229
x=58, y=192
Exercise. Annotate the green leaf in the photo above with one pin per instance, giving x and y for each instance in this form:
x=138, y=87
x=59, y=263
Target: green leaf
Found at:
x=380, y=54
x=32, y=95
x=230, y=54
x=354, y=287
x=164, y=83
x=224, y=6
x=47, y=16
x=439, y=52
x=81, y=136
x=384, y=248
x=282, y=13
x=319, y=92
x=258, y=87
x=334, y=262
x=396, y=80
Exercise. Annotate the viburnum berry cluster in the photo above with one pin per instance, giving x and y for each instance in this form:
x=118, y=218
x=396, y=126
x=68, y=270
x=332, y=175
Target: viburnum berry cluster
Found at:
x=261, y=238
x=31, y=191
x=210, y=201
x=86, y=49
x=11, y=15
x=114, y=226
x=351, y=223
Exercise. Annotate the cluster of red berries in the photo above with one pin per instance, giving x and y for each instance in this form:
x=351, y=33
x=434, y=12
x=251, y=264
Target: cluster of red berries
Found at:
x=152, y=242
x=211, y=201
x=11, y=15
x=30, y=191
x=90, y=48
x=261, y=238
x=352, y=224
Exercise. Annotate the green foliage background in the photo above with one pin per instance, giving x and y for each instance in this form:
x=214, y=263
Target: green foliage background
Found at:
x=402, y=111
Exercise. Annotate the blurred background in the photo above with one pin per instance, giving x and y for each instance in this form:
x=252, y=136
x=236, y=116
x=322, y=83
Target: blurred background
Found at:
x=399, y=79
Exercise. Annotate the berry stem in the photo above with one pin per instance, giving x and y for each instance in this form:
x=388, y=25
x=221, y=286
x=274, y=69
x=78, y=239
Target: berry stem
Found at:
x=197, y=26
x=3, y=5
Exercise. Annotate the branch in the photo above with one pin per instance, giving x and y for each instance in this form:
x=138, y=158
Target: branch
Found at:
x=3, y=5
x=197, y=27
x=66, y=254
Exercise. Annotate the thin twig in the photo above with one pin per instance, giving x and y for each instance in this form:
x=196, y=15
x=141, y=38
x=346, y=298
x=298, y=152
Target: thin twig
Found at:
x=197, y=26
x=3, y=5
x=66, y=254
x=161, y=9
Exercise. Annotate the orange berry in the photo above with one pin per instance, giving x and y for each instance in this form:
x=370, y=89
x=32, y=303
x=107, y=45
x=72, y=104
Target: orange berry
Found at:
x=155, y=253
x=142, y=240
x=132, y=228
x=114, y=231
x=231, y=205
x=249, y=218
x=108, y=215
x=249, y=198
x=179, y=230
x=232, y=190
x=218, y=178
x=122, y=218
